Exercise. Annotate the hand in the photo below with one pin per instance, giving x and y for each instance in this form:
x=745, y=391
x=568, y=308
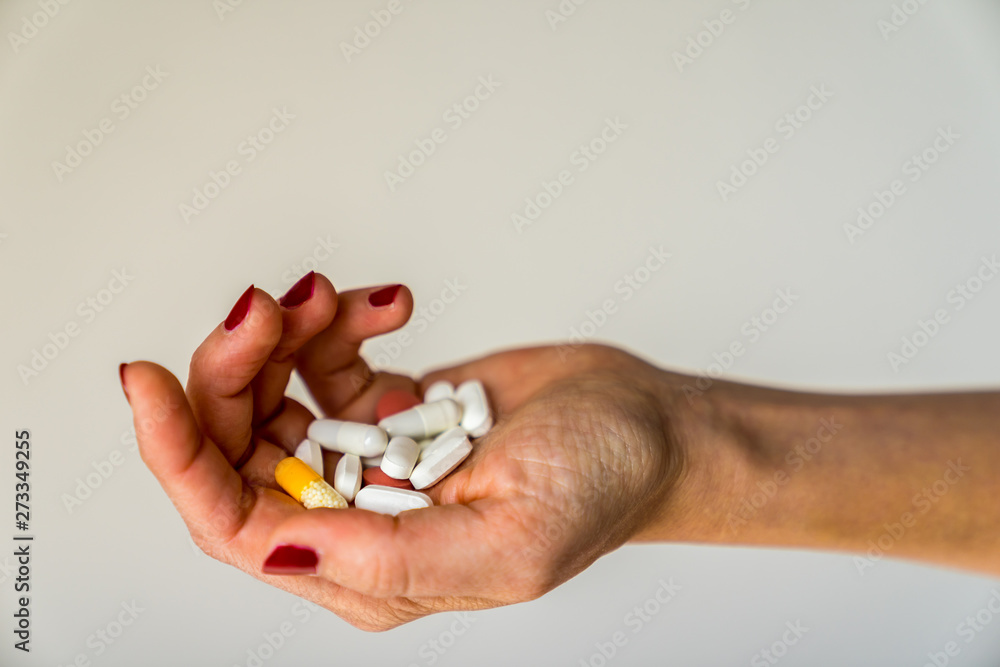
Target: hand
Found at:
x=581, y=459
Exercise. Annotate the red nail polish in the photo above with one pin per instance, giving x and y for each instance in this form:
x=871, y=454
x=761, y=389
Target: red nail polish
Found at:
x=300, y=292
x=240, y=310
x=291, y=559
x=121, y=376
x=384, y=296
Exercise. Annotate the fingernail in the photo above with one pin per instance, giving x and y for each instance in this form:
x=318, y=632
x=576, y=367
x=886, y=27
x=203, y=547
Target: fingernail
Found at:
x=291, y=559
x=121, y=376
x=300, y=292
x=384, y=296
x=240, y=310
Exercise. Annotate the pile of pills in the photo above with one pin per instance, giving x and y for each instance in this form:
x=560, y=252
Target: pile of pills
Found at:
x=384, y=467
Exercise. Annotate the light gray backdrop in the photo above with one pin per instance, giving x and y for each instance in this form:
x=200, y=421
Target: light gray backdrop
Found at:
x=114, y=116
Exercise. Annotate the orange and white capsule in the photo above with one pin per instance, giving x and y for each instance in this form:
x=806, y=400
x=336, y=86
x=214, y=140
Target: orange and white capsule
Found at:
x=302, y=483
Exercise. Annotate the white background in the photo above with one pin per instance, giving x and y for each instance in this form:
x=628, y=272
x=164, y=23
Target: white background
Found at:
x=323, y=177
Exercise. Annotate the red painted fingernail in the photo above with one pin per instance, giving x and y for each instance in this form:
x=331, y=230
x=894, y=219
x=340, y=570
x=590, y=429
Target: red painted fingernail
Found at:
x=384, y=296
x=300, y=292
x=291, y=559
x=121, y=376
x=240, y=310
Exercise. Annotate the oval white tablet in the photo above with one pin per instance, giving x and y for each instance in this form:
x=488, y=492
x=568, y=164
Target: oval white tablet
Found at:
x=438, y=390
x=441, y=458
x=477, y=418
x=347, y=477
x=387, y=500
x=400, y=456
x=309, y=452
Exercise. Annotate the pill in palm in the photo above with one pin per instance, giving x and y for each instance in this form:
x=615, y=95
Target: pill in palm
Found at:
x=376, y=476
x=438, y=390
x=477, y=418
x=347, y=476
x=302, y=483
x=310, y=453
x=389, y=500
x=444, y=455
x=393, y=401
x=400, y=456
x=348, y=437
x=423, y=420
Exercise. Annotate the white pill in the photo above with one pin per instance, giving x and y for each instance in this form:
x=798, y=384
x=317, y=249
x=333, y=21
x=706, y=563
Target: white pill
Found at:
x=310, y=453
x=348, y=437
x=371, y=462
x=347, y=478
x=387, y=500
x=477, y=418
x=400, y=457
x=438, y=390
x=423, y=420
x=443, y=456
x=425, y=445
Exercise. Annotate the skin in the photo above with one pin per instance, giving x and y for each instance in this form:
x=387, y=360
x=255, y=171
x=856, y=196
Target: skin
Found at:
x=593, y=448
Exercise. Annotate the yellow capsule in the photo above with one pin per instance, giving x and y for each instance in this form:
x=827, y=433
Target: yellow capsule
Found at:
x=302, y=483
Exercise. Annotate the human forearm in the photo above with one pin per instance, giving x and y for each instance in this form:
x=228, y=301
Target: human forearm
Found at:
x=905, y=476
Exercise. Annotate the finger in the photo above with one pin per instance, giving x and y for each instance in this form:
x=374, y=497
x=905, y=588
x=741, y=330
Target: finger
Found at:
x=306, y=309
x=329, y=363
x=224, y=366
x=202, y=485
x=446, y=550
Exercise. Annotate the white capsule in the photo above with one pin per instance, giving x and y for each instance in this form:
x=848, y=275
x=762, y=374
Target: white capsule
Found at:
x=423, y=420
x=400, y=457
x=443, y=456
x=477, y=418
x=439, y=390
x=347, y=477
x=348, y=437
x=310, y=453
x=387, y=500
